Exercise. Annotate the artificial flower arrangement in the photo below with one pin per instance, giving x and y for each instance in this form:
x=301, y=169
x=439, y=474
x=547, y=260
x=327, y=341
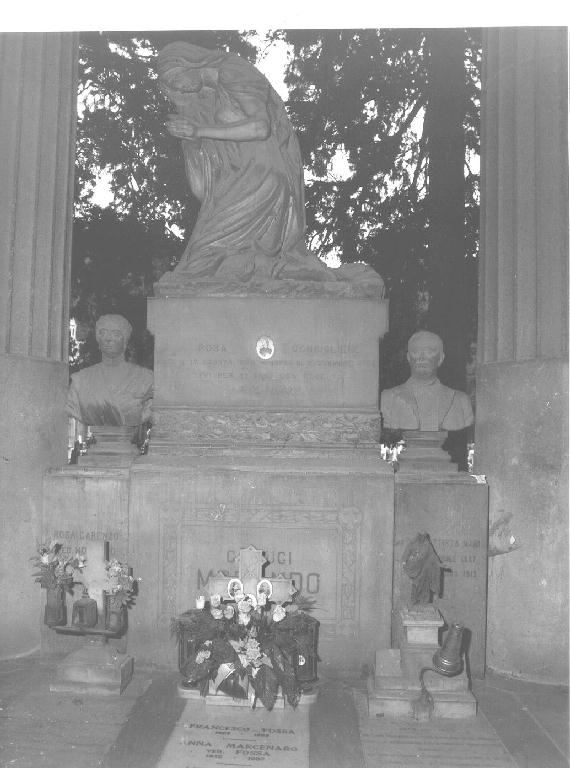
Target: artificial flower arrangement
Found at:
x=55, y=570
x=121, y=584
x=247, y=647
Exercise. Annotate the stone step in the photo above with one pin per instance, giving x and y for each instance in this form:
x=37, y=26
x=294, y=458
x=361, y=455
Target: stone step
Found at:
x=398, y=703
x=433, y=682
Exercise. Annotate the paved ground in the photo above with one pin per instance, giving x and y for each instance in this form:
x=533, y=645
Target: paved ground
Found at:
x=39, y=729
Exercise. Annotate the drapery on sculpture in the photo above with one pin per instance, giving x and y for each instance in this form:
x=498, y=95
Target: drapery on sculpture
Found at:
x=422, y=565
x=243, y=163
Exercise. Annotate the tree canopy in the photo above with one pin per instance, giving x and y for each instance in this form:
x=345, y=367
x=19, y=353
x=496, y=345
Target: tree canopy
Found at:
x=386, y=101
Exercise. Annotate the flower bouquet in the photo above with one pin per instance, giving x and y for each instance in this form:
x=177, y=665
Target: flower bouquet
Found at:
x=119, y=594
x=55, y=570
x=121, y=584
x=247, y=647
x=56, y=575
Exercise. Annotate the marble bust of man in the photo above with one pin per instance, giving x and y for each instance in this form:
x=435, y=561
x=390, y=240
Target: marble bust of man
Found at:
x=113, y=392
x=423, y=402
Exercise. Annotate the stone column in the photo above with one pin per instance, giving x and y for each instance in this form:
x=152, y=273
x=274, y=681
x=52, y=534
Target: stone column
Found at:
x=37, y=145
x=522, y=397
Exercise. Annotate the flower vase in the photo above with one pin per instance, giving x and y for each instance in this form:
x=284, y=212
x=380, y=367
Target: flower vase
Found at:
x=55, y=613
x=115, y=614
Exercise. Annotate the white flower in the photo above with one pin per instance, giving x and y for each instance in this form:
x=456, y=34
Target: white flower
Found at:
x=244, y=606
x=217, y=613
x=244, y=619
x=201, y=656
x=45, y=558
x=278, y=613
x=239, y=595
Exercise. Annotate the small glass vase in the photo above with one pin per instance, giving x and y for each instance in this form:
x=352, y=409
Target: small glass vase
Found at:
x=55, y=613
x=115, y=614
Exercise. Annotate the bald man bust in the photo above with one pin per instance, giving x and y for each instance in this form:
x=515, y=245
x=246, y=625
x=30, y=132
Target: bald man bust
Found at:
x=113, y=392
x=423, y=402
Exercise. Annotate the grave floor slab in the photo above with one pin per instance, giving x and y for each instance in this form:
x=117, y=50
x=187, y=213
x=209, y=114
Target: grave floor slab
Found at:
x=519, y=724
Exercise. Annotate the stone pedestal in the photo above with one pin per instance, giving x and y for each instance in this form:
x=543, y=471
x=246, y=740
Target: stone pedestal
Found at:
x=395, y=684
x=423, y=452
x=266, y=431
x=95, y=668
x=323, y=519
x=453, y=509
x=421, y=625
x=113, y=447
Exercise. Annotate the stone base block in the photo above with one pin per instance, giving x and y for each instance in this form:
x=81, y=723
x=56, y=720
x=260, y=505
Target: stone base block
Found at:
x=421, y=627
x=322, y=519
x=396, y=684
x=403, y=673
x=398, y=703
x=96, y=668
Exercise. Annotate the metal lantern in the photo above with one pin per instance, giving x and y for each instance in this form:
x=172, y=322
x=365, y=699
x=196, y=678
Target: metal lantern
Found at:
x=84, y=612
x=307, y=656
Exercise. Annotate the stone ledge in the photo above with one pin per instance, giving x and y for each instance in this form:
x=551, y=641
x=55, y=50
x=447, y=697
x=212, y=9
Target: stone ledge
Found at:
x=175, y=284
x=398, y=703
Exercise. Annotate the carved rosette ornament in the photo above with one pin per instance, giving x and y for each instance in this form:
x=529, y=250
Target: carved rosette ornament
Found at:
x=187, y=426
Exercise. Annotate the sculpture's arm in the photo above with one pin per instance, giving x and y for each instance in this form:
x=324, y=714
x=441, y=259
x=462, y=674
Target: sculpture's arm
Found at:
x=253, y=126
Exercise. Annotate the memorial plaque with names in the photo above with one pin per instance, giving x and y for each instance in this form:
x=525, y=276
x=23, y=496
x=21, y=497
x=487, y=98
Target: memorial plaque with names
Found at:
x=266, y=352
x=455, y=514
x=86, y=505
x=209, y=738
x=288, y=552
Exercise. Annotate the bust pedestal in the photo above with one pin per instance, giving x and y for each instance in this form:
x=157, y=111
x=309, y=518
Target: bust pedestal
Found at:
x=113, y=446
x=423, y=452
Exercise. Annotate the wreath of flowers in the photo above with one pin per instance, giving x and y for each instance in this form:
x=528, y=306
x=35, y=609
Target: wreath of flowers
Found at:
x=247, y=647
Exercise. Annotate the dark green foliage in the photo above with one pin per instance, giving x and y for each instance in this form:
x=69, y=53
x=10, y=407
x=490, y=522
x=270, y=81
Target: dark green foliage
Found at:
x=371, y=93
x=266, y=686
